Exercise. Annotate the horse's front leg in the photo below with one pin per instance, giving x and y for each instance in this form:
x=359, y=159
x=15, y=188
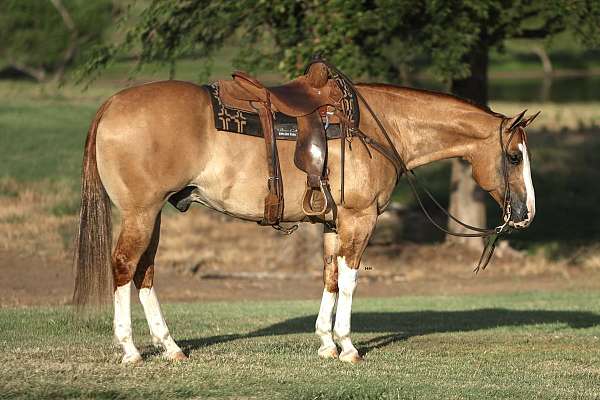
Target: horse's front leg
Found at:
x=354, y=230
x=330, y=295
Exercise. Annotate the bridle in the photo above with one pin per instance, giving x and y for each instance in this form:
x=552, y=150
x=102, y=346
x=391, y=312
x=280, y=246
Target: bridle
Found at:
x=391, y=153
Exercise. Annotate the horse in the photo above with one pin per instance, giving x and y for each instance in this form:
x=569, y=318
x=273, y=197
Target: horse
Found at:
x=149, y=142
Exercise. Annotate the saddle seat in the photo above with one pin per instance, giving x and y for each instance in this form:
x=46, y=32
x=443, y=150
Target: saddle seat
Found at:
x=297, y=98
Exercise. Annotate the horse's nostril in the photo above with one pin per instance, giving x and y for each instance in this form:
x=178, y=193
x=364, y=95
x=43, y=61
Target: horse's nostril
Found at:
x=523, y=214
x=520, y=213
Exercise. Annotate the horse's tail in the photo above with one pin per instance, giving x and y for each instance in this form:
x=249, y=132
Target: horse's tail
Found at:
x=93, y=242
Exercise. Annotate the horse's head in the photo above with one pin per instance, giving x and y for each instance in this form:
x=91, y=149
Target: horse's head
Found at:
x=502, y=168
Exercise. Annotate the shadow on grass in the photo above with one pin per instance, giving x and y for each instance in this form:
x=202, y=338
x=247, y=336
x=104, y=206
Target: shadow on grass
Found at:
x=399, y=326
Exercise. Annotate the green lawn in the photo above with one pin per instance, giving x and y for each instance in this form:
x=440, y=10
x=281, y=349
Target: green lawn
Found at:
x=525, y=345
x=43, y=140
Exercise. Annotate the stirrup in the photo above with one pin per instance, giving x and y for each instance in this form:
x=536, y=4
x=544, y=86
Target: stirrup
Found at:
x=315, y=201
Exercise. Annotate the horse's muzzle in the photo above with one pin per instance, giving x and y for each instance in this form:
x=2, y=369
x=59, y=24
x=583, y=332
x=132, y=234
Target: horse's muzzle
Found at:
x=521, y=217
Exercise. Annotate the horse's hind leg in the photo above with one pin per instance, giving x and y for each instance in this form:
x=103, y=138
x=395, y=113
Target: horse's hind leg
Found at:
x=323, y=326
x=136, y=231
x=143, y=280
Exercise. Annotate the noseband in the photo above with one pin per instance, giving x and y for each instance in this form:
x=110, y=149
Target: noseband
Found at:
x=391, y=153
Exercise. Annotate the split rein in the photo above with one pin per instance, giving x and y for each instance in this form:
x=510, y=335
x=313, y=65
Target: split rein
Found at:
x=391, y=153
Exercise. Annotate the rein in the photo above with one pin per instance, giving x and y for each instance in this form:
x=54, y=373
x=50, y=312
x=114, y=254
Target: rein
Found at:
x=391, y=153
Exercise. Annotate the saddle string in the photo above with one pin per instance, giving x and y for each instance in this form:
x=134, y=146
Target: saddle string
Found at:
x=343, y=159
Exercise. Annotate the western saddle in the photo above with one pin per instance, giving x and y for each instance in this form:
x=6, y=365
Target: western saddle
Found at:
x=309, y=98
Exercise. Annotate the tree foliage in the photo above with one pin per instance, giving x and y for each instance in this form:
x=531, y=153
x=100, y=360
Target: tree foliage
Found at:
x=363, y=37
x=40, y=36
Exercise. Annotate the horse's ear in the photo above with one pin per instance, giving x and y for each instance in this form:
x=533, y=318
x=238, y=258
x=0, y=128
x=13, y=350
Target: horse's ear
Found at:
x=513, y=122
x=529, y=119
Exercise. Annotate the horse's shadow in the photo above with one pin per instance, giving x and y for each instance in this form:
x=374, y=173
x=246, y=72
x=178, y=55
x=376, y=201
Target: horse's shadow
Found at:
x=399, y=326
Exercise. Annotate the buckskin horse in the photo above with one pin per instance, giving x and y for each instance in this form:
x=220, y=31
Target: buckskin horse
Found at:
x=151, y=143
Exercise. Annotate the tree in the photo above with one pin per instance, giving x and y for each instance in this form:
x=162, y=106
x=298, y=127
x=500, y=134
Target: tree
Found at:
x=277, y=34
x=375, y=38
x=41, y=38
x=482, y=26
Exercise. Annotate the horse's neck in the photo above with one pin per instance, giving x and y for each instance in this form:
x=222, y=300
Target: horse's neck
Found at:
x=427, y=127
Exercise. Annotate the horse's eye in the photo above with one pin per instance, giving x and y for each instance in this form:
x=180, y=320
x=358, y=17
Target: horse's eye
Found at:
x=515, y=159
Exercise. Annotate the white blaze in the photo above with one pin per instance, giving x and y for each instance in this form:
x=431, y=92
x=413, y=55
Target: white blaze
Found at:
x=528, y=184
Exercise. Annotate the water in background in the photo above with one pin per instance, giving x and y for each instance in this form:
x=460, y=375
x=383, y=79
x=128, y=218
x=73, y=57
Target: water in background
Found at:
x=557, y=90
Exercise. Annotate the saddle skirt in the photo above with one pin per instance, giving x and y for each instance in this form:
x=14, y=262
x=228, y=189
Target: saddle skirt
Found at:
x=235, y=120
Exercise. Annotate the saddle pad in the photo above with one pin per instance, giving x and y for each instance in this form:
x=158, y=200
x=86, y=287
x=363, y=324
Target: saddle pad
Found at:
x=230, y=119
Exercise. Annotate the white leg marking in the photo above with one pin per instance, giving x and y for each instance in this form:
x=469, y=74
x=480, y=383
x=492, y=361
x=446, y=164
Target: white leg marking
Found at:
x=346, y=283
x=324, y=323
x=528, y=184
x=156, y=322
x=122, y=324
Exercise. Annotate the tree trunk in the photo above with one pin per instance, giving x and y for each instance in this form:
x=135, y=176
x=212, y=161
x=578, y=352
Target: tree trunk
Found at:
x=547, y=66
x=544, y=58
x=69, y=54
x=39, y=74
x=466, y=198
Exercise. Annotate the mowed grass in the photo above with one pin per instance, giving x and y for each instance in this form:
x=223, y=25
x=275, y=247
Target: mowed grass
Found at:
x=43, y=140
x=527, y=345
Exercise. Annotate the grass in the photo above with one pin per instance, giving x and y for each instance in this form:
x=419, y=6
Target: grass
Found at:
x=43, y=140
x=527, y=345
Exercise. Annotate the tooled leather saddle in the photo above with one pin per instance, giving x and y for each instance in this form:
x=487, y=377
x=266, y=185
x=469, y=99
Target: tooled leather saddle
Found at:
x=314, y=100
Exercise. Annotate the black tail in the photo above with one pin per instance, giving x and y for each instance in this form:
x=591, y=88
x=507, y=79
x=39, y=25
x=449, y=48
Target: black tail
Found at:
x=93, y=243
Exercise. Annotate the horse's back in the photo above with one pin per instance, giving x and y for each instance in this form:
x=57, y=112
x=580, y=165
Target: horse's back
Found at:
x=156, y=98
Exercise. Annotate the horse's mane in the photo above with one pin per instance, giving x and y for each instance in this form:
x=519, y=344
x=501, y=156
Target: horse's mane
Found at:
x=397, y=88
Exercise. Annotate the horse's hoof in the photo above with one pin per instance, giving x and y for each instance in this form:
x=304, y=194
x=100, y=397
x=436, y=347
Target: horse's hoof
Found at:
x=328, y=352
x=132, y=359
x=177, y=356
x=351, y=357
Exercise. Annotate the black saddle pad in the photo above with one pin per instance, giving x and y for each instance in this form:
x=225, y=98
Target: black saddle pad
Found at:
x=233, y=120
